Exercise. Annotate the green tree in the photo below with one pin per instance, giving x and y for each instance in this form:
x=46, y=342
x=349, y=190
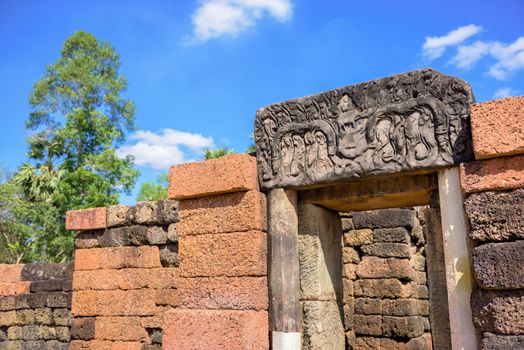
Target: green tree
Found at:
x=153, y=190
x=78, y=118
x=217, y=153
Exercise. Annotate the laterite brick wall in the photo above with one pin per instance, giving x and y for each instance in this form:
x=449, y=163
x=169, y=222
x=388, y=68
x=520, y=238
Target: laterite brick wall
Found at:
x=35, y=302
x=185, y=273
x=494, y=204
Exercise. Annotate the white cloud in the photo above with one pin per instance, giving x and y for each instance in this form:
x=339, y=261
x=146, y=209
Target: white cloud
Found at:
x=160, y=151
x=468, y=55
x=510, y=58
x=216, y=18
x=434, y=46
x=504, y=92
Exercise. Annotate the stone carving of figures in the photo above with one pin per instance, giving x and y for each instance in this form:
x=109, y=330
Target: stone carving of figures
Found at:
x=322, y=164
x=422, y=146
x=286, y=149
x=390, y=145
x=297, y=164
x=311, y=149
x=352, y=134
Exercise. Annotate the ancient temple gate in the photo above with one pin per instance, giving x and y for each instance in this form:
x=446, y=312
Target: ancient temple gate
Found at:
x=388, y=143
x=348, y=231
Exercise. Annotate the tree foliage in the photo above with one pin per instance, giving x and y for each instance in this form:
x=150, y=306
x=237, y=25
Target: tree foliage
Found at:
x=153, y=190
x=78, y=117
x=217, y=153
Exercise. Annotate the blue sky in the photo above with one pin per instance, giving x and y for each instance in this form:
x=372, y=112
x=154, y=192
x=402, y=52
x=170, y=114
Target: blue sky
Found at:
x=198, y=70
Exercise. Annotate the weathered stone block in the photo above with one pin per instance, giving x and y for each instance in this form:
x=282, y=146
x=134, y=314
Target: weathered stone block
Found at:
x=120, y=329
x=157, y=278
x=374, y=267
x=391, y=235
x=322, y=326
x=368, y=325
x=88, y=239
x=172, y=233
x=83, y=328
x=496, y=127
x=203, y=255
x=231, y=173
x=384, y=288
x=347, y=224
x=493, y=174
x=349, y=313
x=169, y=255
x=500, y=312
x=501, y=342
x=499, y=265
x=25, y=317
x=232, y=293
x=496, y=215
x=156, y=235
x=319, y=253
x=401, y=307
x=114, y=303
x=114, y=237
x=224, y=329
x=358, y=237
x=16, y=288
x=117, y=258
x=349, y=271
x=368, y=306
x=384, y=218
x=86, y=219
x=11, y=273
x=421, y=343
x=120, y=215
x=234, y=212
x=419, y=263
x=410, y=327
x=46, y=286
x=44, y=272
x=44, y=316
x=58, y=299
x=350, y=255
x=387, y=250
x=157, y=213
x=61, y=317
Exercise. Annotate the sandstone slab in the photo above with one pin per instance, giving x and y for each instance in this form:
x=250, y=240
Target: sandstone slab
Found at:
x=497, y=127
x=504, y=173
x=221, y=329
x=232, y=173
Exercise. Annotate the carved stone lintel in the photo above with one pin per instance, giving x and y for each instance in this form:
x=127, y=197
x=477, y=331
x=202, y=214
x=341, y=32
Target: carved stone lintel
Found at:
x=412, y=121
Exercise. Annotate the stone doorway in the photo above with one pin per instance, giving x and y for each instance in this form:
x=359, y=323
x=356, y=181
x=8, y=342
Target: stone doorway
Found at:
x=390, y=143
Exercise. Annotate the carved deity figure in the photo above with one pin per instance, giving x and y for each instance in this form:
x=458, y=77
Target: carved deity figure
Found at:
x=286, y=156
x=390, y=145
x=421, y=143
x=352, y=130
x=322, y=165
x=297, y=164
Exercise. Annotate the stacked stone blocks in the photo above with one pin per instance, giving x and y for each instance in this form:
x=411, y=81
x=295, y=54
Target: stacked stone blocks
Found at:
x=122, y=274
x=385, y=286
x=35, y=302
x=494, y=204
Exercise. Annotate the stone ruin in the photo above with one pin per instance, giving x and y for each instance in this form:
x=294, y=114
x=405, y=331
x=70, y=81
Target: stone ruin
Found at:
x=383, y=215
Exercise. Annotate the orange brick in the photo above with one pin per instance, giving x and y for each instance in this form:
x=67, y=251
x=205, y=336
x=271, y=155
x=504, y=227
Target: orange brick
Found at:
x=10, y=273
x=493, y=174
x=126, y=346
x=120, y=328
x=156, y=278
x=497, y=127
x=117, y=258
x=230, y=254
x=234, y=293
x=103, y=345
x=113, y=303
x=234, y=212
x=16, y=288
x=216, y=329
x=227, y=174
x=86, y=219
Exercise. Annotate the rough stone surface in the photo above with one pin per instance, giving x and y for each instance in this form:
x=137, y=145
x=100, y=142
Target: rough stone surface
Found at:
x=221, y=329
x=368, y=325
x=501, y=342
x=233, y=212
x=358, y=237
x=232, y=293
x=368, y=306
x=504, y=173
x=117, y=258
x=323, y=326
x=391, y=235
x=356, y=131
x=410, y=327
x=496, y=215
x=86, y=219
x=499, y=265
x=387, y=250
x=499, y=312
x=120, y=215
x=383, y=218
x=497, y=127
x=374, y=267
x=319, y=253
x=227, y=254
x=384, y=288
x=227, y=174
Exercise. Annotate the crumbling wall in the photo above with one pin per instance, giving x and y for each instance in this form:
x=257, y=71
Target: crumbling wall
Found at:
x=35, y=302
x=494, y=206
x=386, y=298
